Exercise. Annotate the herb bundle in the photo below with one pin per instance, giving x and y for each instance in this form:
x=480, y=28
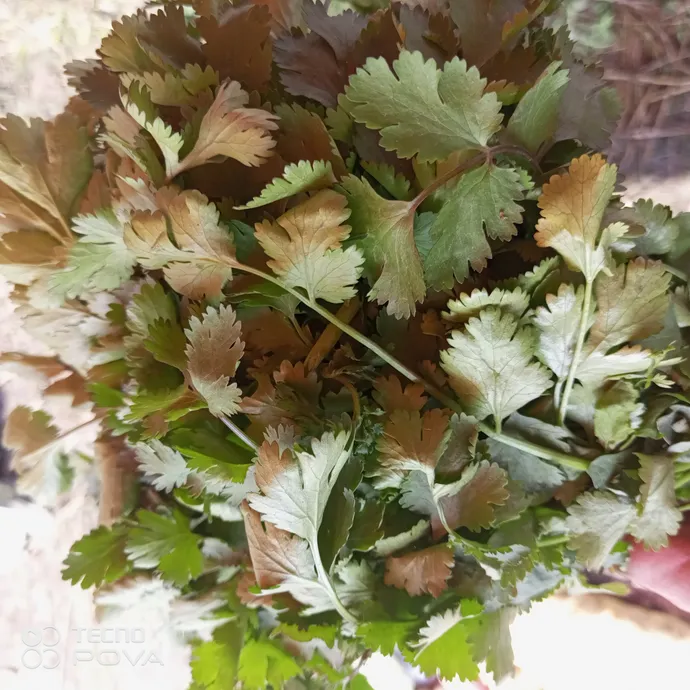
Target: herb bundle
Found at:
x=357, y=299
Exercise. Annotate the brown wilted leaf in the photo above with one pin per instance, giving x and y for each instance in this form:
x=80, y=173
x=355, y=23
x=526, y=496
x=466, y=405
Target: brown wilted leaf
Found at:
x=285, y=14
x=420, y=572
x=305, y=247
x=30, y=247
x=27, y=430
x=411, y=440
x=390, y=395
x=229, y=129
x=473, y=507
x=239, y=46
x=213, y=352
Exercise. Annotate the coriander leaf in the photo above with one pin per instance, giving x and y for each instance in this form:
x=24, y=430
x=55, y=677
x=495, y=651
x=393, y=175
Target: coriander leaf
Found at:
x=305, y=247
x=445, y=649
x=491, y=641
x=229, y=129
x=327, y=633
x=98, y=557
x=202, y=261
x=536, y=116
x=420, y=572
x=384, y=636
x=397, y=185
x=472, y=504
x=385, y=232
x=295, y=492
x=485, y=200
x=27, y=431
x=420, y=109
x=166, y=342
x=631, y=304
x=275, y=554
x=514, y=302
x=166, y=544
x=161, y=465
x=596, y=522
x=659, y=517
x=304, y=176
x=490, y=365
x=573, y=206
x=100, y=260
x=213, y=353
x=558, y=325
x=45, y=165
x=262, y=662
x=618, y=413
x=214, y=664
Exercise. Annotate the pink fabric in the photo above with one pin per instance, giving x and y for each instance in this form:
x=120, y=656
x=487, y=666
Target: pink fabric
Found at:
x=665, y=572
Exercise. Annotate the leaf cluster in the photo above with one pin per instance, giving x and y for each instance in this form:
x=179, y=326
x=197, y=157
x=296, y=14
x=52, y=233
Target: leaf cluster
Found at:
x=358, y=296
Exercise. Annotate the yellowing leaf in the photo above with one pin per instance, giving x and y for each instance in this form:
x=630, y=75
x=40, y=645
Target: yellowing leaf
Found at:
x=297, y=177
x=229, y=129
x=411, y=441
x=482, y=202
x=421, y=110
x=420, y=572
x=385, y=232
x=631, y=304
x=573, y=206
x=305, y=247
x=201, y=262
x=44, y=167
x=491, y=367
x=660, y=517
x=213, y=353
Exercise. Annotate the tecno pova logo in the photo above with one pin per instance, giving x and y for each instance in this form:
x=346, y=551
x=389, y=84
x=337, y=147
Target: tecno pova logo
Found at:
x=40, y=649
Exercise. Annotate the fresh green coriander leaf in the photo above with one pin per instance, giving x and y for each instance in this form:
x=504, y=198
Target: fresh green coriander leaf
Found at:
x=383, y=636
x=397, y=185
x=384, y=230
x=98, y=557
x=445, y=647
x=166, y=342
x=263, y=663
x=327, y=633
x=214, y=664
x=420, y=109
x=536, y=116
x=485, y=199
x=304, y=176
x=167, y=544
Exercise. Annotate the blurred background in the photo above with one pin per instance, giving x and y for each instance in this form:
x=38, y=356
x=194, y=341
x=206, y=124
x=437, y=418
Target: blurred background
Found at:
x=602, y=642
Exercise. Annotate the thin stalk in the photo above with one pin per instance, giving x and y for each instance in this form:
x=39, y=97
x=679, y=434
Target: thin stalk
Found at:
x=682, y=275
x=539, y=451
x=325, y=580
x=238, y=432
x=447, y=177
x=581, y=333
x=556, y=540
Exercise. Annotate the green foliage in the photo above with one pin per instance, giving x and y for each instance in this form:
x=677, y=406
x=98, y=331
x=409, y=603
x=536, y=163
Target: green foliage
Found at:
x=380, y=380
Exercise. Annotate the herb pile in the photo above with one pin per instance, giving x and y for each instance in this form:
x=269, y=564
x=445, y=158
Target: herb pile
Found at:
x=357, y=297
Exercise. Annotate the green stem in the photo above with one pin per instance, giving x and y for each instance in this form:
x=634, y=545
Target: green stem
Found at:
x=539, y=451
x=556, y=540
x=676, y=272
x=581, y=333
